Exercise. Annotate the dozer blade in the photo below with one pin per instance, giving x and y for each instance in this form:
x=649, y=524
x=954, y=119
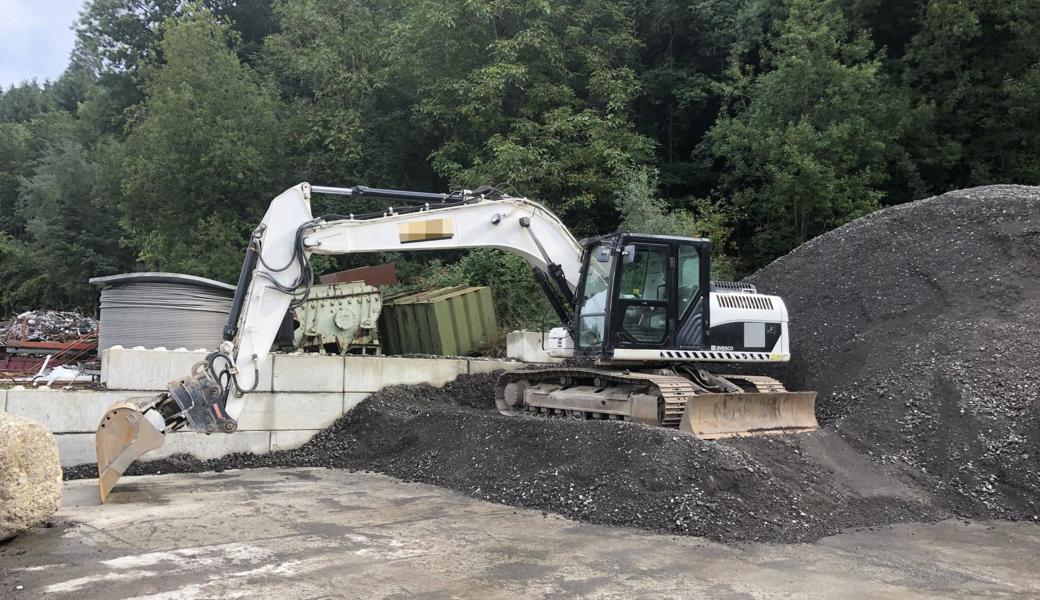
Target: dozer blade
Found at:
x=714, y=416
x=123, y=435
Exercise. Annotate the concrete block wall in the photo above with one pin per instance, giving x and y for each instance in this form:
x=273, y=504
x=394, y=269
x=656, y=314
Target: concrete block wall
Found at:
x=526, y=346
x=298, y=395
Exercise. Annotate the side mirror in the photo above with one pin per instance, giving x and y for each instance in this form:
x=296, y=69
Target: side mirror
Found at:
x=629, y=254
x=601, y=254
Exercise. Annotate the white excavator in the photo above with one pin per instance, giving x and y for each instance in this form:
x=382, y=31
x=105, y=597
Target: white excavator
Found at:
x=641, y=320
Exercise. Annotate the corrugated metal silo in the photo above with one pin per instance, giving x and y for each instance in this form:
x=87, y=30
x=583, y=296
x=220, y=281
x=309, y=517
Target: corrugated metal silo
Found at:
x=167, y=310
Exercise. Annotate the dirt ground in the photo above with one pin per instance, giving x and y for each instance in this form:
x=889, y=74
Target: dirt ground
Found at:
x=329, y=533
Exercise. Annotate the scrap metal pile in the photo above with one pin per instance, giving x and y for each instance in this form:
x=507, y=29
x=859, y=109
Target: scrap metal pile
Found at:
x=45, y=346
x=47, y=326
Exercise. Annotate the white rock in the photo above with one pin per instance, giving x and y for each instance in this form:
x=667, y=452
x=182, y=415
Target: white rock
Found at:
x=30, y=475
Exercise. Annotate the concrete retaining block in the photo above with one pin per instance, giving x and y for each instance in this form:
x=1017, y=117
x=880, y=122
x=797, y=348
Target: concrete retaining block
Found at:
x=487, y=366
x=308, y=396
x=371, y=374
x=3, y=400
x=307, y=373
x=290, y=410
x=216, y=445
x=352, y=399
x=75, y=448
x=141, y=369
x=64, y=411
x=527, y=346
x=78, y=448
x=289, y=439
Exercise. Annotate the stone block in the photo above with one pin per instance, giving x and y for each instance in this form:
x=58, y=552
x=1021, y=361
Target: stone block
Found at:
x=140, y=369
x=488, y=366
x=527, y=346
x=307, y=373
x=30, y=475
x=289, y=439
x=372, y=373
x=352, y=399
x=65, y=411
x=290, y=410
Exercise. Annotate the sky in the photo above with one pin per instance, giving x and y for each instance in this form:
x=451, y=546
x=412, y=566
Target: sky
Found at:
x=35, y=38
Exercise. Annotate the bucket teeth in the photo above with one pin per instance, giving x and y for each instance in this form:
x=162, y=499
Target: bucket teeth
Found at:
x=123, y=435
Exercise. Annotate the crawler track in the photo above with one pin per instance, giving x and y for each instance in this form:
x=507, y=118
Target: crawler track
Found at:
x=672, y=390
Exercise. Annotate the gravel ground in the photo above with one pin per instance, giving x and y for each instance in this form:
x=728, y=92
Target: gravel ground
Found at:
x=917, y=325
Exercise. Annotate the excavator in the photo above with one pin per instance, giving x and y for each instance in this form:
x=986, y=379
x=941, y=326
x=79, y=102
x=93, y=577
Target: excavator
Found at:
x=641, y=319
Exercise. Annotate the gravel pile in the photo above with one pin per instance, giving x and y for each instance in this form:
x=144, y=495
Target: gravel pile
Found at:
x=919, y=326
x=776, y=489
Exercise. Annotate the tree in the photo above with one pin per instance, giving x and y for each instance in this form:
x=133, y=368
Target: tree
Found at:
x=203, y=154
x=978, y=64
x=643, y=211
x=347, y=120
x=808, y=138
x=73, y=231
x=22, y=103
x=533, y=94
x=15, y=157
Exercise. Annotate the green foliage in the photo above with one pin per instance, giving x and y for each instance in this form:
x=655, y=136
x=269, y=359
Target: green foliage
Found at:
x=17, y=273
x=644, y=212
x=70, y=229
x=978, y=64
x=808, y=136
x=201, y=156
x=15, y=159
x=537, y=95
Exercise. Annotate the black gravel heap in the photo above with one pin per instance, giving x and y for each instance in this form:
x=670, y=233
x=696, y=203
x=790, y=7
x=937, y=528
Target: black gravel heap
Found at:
x=603, y=472
x=919, y=326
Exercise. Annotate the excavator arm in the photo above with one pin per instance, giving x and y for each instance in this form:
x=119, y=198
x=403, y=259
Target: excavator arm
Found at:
x=276, y=276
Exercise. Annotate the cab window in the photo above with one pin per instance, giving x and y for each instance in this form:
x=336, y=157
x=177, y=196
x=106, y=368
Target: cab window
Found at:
x=689, y=283
x=643, y=293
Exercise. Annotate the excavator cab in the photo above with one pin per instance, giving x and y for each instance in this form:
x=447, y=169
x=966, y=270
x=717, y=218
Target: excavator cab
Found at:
x=642, y=292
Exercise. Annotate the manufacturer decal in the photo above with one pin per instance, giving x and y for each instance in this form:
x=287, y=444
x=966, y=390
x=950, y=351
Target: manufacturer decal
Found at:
x=426, y=231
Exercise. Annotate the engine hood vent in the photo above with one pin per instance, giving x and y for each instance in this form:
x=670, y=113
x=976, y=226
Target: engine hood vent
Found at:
x=751, y=302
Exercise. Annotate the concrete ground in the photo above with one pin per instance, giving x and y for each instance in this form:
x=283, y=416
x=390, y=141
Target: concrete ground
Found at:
x=315, y=533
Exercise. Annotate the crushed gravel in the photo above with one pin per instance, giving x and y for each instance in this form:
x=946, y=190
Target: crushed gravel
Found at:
x=775, y=489
x=916, y=324
x=919, y=326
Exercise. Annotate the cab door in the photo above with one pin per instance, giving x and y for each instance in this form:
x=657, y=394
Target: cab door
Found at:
x=693, y=283
x=644, y=316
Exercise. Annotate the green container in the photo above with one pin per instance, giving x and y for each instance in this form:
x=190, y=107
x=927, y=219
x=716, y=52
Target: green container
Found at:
x=454, y=321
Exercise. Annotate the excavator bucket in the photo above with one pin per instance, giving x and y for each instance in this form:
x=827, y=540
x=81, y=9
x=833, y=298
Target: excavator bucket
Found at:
x=714, y=416
x=123, y=435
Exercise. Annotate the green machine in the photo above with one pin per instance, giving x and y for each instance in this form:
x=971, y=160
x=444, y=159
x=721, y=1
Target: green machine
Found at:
x=339, y=318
